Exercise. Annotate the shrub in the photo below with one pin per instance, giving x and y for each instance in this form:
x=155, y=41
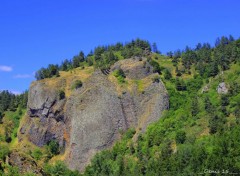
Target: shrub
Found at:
x=180, y=137
x=156, y=67
x=77, y=84
x=59, y=169
x=4, y=151
x=61, y=94
x=167, y=74
x=130, y=133
x=53, y=147
x=119, y=74
x=37, y=154
x=156, y=79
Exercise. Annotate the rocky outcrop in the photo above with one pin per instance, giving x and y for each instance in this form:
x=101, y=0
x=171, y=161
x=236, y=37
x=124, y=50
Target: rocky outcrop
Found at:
x=24, y=163
x=46, y=115
x=89, y=118
x=135, y=68
x=205, y=89
x=222, y=88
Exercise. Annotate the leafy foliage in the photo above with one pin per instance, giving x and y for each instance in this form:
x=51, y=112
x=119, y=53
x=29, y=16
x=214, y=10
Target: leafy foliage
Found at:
x=53, y=147
x=77, y=84
x=61, y=94
x=37, y=154
x=119, y=74
x=10, y=101
x=59, y=169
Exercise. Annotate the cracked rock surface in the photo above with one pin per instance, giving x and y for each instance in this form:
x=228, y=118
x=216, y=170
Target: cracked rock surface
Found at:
x=91, y=117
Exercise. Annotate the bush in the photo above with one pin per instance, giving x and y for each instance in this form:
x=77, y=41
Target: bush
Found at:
x=167, y=74
x=156, y=79
x=180, y=85
x=119, y=74
x=4, y=151
x=77, y=84
x=53, y=147
x=156, y=67
x=37, y=154
x=61, y=94
x=59, y=169
x=180, y=137
x=130, y=133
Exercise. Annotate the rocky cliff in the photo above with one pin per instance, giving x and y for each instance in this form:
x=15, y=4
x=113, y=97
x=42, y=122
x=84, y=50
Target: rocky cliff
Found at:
x=90, y=118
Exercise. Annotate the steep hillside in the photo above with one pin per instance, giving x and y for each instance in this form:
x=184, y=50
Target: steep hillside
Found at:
x=198, y=135
x=200, y=132
x=91, y=117
x=124, y=110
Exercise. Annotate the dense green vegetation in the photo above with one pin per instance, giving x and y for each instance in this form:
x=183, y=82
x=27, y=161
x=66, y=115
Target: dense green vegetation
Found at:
x=12, y=108
x=10, y=101
x=119, y=74
x=199, y=132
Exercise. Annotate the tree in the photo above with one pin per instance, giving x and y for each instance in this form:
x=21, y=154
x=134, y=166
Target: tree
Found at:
x=216, y=124
x=53, y=70
x=1, y=117
x=154, y=48
x=208, y=105
x=120, y=75
x=81, y=56
x=65, y=65
x=76, y=62
x=37, y=154
x=40, y=74
x=59, y=169
x=98, y=52
x=4, y=151
x=188, y=58
x=231, y=38
x=194, y=107
x=50, y=71
x=180, y=137
x=198, y=47
x=167, y=74
x=170, y=54
x=217, y=42
x=213, y=69
x=156, y=66
x=78, y=59
x=180, y=85
x=53, y=147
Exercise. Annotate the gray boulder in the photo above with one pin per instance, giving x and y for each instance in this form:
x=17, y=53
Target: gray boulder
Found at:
x=222, y=88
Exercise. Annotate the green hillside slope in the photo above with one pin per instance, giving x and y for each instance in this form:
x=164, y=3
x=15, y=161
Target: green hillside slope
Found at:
x=199, y=134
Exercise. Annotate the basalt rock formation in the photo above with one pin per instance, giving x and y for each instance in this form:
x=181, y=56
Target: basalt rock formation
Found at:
x=90, y=118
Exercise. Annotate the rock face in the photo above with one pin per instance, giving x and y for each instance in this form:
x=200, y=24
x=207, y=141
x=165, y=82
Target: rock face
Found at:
x=89, y=118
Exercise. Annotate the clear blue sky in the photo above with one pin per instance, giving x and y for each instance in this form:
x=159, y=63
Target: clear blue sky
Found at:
x=36, y=33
